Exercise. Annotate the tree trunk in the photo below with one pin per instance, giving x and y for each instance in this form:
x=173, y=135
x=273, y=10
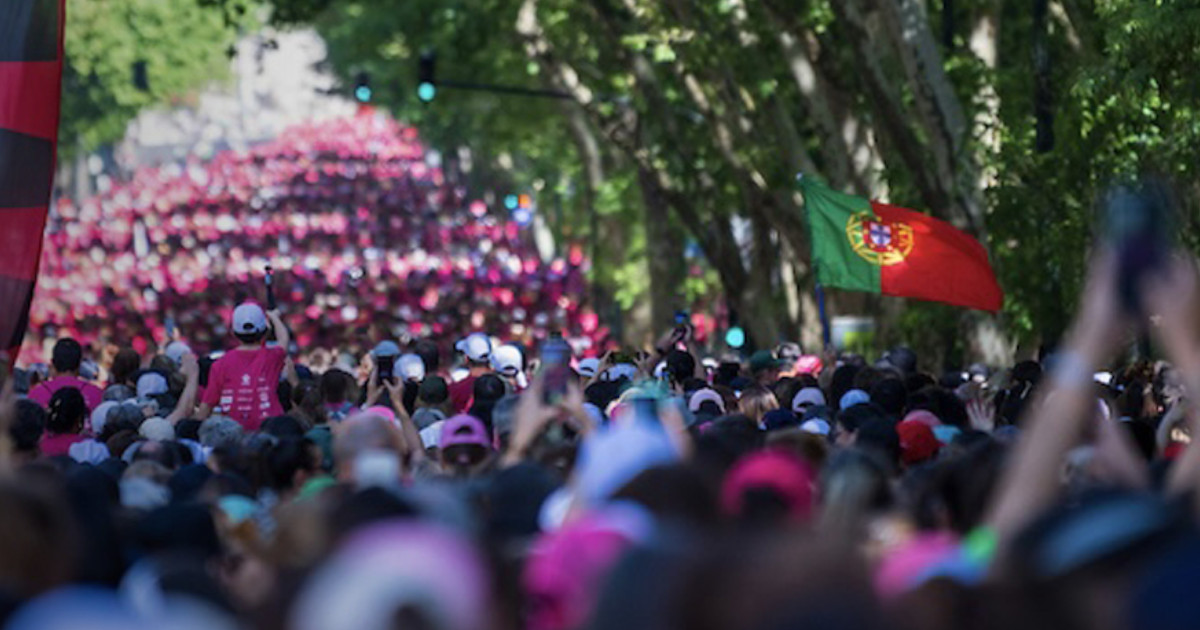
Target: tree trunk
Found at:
x=664, y=255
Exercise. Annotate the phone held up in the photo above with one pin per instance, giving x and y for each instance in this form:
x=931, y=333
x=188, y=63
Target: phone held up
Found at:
x=556, y=365
x=385, y=368
x=269, y=281
x=1139, y=221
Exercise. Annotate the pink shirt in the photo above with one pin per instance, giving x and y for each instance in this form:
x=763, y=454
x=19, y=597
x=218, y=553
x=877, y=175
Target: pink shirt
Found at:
x=41, y=394
x=53, y=445
x=243, y=384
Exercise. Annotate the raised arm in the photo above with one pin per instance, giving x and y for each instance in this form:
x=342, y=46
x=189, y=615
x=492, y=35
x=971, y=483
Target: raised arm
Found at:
x=282, y=336
x=1062, y=410
x=187, y=400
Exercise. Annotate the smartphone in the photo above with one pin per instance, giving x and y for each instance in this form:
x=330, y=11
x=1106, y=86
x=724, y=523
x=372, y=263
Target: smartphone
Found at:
x=1139, y=225
x=269, y=281
x=556, y=365
x=385, y=368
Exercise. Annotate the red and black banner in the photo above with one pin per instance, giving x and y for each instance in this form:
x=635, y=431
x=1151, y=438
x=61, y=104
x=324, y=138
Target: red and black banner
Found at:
x=31, y=58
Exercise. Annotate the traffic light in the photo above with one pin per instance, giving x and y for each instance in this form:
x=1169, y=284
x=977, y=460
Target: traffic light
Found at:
x=141, y=80
x=735, y=337
x=362, y=88
x=426, y=76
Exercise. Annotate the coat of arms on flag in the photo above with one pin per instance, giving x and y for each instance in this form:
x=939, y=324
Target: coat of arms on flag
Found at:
x=879, y=242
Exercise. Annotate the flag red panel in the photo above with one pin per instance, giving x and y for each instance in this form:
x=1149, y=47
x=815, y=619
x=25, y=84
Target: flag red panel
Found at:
x=31, y=49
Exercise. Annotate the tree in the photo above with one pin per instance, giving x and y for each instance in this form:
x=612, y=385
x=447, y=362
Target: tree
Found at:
x=707, y=110
x=180, y=44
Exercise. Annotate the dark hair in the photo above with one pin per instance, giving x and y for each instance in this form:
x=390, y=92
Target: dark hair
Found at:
x=67, y=355
x=282, y=427
x=251, y=338
x=853, y=418
x=918, y=381
x=867, y=377
x=675, y=494
x=367, y=506
x=120, y=442
x=602, y=393
x=785, y=390
x=67, y=411
x=28, y=426
x=308, y=401
x=433, y=390
x=170, y=454
x=879, y=435
x=890, y=395
x=428, y=351
x=680, y=366
x=842, y=382
x=482, y=409
x=727, y=439
x=287, y=457
x=727, y=371
x=205, y=364
x=337, y=386
x=125, y=365
x=188, y=429
x=489, y=388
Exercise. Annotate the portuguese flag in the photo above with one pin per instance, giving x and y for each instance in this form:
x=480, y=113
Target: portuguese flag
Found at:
x=31, y=48
x=864, y=245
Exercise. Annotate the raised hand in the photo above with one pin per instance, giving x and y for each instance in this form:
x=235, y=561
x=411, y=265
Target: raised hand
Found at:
x=982, y=414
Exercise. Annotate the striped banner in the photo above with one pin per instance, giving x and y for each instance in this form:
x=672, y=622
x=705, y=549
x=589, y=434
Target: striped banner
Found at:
x=31, y=54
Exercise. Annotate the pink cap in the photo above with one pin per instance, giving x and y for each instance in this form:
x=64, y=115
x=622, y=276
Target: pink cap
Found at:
x=778, y=471
x=386, y=413
x=809, y=364
x=923, y=416
x=463, y=429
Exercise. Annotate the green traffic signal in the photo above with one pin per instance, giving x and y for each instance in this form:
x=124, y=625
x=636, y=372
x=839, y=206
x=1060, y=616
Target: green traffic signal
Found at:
x=426, y=91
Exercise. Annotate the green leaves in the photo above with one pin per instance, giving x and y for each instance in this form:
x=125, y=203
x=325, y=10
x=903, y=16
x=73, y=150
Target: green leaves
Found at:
x=181, y=43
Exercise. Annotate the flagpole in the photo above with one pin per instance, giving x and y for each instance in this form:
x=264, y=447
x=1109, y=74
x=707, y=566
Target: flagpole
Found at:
x=826, y=333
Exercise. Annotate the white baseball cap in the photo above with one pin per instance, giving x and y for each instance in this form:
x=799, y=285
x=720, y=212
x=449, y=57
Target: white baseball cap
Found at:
x=588, y=367
x=476, y=346
x=175, y=351
x=619, y=371
x=249, y=318
x=159, y=429
x=507, y=360
x=816, y=425
x=807, y=397
x=411, y=367
x=386, y=348
x=701, y=396
x=151, y=384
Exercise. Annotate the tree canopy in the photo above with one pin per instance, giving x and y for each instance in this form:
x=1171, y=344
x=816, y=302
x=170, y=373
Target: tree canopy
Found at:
x=180, y=44
x=686, y=122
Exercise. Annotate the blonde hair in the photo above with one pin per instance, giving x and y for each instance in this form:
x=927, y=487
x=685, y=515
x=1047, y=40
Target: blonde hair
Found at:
x=756, y=401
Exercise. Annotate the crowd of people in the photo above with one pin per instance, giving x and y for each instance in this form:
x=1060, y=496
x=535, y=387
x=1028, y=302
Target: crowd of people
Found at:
x=362, y=234
x=507, y=486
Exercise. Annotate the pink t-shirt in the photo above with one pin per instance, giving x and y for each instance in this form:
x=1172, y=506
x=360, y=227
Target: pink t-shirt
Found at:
x=53, y=445
x=243, y=384
x=41, y=394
